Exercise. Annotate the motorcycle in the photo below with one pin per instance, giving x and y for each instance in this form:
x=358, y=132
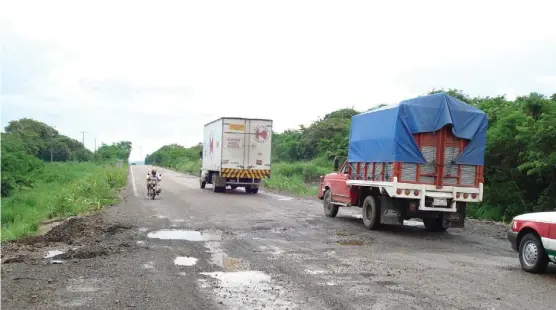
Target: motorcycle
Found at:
x=153, y=190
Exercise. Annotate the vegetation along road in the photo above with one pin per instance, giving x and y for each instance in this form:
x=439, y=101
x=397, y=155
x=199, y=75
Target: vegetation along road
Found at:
x=195, y=249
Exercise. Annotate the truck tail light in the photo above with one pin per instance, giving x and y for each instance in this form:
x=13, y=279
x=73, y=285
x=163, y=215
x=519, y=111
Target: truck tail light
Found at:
x=399, y=191
x=416, y=192
x=465, y=195
x=473, y=195
x=407, y=192
x=458, y=195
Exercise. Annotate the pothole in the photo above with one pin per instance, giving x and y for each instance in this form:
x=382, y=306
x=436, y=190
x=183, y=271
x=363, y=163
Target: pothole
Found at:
x=189, y=235
x=350, y=242
x=185, y=261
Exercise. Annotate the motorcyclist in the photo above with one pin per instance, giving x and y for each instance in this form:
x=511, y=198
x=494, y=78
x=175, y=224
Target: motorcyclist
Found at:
x=153, y=174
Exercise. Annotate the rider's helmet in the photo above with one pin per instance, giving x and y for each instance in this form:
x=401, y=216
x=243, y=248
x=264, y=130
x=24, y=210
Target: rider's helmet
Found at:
x=153, y=171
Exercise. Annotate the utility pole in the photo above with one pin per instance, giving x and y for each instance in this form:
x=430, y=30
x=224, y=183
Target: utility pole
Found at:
x=95, y=145
x=83, y=141
x=52, y=145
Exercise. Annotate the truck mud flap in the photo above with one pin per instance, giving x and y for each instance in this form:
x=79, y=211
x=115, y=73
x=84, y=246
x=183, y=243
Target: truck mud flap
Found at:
x=390, y=211
x=456, y=219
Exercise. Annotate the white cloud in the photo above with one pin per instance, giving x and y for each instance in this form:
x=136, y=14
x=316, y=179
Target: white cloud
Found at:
x=155, y=73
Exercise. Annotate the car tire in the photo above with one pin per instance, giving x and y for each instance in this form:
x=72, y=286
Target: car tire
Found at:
x=330, y=210
x=371, y=213
x=532, y=256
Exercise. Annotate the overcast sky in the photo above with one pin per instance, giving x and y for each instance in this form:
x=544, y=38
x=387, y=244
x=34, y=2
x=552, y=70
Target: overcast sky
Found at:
x=154, y=74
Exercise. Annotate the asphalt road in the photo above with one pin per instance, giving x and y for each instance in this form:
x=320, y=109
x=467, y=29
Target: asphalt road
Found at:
x=195, y=249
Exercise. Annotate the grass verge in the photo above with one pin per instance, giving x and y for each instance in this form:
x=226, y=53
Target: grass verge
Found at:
x=62, y=190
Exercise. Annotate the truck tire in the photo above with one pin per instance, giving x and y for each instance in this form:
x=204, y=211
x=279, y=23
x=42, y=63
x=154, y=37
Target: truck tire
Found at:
x=233, y=186
x=532, y=256
x=434, y=224
x=202, y=184
x=254, y=190
x=371, y=213
x=330, y=210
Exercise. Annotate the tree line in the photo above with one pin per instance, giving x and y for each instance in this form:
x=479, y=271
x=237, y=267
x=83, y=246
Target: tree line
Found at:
x=27, y=145
x=520, y=157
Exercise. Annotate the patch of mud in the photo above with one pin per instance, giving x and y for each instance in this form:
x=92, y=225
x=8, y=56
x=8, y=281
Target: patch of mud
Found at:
x=85, y=234
x=84, y=252
x=188, y=235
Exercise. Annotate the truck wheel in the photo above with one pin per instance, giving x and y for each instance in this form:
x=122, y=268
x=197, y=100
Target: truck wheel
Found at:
x=434, y=224
x=330, y=210
x=254, y=190
x=532, y=256
x=202, y=184
x=233, y=186
x=371, y=213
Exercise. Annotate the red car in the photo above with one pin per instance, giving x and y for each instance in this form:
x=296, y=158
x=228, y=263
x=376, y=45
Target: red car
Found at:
x=533, y=236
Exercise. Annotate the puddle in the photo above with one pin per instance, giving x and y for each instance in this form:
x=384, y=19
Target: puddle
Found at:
x=226, y=262
x=221, y=259
x=185, y=261
x=149, y=265
x=189, y=235
x=143, y=229
x=350, y=242
x=140, y=242
x=250, y=289
x=53, y=253
x=183, y=274
x=57, y=261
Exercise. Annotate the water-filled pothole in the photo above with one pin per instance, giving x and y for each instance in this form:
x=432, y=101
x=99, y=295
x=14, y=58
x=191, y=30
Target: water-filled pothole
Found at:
x=185, y=261
x=189, y=235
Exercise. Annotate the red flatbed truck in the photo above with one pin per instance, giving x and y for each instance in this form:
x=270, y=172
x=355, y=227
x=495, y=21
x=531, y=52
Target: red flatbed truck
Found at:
x=421, y=158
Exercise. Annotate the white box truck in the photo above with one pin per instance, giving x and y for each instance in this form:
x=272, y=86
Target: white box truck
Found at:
x=236, y=152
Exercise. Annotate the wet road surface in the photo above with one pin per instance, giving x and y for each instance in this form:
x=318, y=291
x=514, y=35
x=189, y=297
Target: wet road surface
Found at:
x=195, y=249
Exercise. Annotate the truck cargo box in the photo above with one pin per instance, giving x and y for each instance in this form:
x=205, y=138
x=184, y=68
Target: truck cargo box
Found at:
x=433, y=139
x=236, y=151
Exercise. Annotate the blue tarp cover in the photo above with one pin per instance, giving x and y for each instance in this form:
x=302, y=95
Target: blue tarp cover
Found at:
x=386, y=134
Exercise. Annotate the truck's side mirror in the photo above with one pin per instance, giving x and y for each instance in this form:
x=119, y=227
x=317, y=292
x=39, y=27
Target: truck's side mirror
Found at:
x=201, y=154
x=336, y=164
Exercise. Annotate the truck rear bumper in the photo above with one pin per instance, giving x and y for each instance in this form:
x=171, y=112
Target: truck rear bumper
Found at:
x=430, y=198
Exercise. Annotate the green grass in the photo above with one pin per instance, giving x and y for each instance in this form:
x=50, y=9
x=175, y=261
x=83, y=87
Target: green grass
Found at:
x=300, y=178
x=61, y=190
